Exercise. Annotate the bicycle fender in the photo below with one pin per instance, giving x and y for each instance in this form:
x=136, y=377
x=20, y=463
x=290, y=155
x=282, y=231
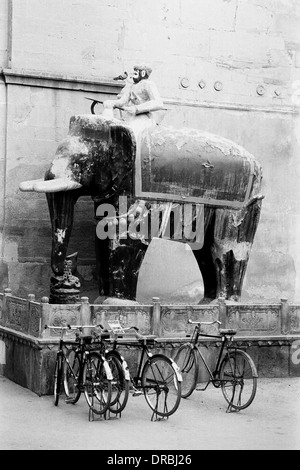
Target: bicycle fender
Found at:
x=107, y=370
x=125, y=369
x=177, y=370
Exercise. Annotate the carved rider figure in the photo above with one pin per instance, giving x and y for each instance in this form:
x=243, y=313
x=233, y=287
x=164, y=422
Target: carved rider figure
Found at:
x=138, y=98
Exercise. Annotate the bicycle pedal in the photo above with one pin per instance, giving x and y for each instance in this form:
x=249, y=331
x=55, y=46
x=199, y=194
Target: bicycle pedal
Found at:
x=137, y=393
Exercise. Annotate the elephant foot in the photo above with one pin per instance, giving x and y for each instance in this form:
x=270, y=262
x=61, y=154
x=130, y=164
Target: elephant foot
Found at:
x=64, y=292
x=65, y=289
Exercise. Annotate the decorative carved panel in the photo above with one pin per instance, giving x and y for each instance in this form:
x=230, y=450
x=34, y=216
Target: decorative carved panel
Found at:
x=35, y=313
x=258, y=319
x=17, y=316
x=63, y=315
x=294, y=312
x=174, y=319
x=138, y=316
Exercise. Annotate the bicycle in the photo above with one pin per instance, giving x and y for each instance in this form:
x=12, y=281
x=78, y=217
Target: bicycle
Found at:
x=120, y=372
x=234, y=370
x=82, y=369
x=158, y=377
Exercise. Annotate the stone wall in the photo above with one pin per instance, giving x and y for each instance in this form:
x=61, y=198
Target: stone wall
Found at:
x=228, y=67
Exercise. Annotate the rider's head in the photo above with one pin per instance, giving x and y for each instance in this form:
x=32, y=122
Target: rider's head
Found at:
x=141, y=72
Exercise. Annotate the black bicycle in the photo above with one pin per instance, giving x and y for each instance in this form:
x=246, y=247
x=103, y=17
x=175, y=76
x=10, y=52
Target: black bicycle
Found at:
x=158, y=377
x=119, y=369
x=82, y=369
x=234, y=371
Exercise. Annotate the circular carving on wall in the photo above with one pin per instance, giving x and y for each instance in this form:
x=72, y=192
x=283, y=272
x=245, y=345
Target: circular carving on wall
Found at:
x=218, y=86
x=184, y=82
x=260, y=90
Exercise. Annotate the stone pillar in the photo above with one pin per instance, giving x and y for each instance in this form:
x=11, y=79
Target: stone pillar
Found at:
x=85, y=315
x=45, y=317
x=155, y=319
x=285, y=320
x=7, y=293
x=222, y=312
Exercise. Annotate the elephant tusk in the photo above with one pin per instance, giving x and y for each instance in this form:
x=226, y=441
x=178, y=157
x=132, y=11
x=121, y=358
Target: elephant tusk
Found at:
x=55, y=185
x=29, y=185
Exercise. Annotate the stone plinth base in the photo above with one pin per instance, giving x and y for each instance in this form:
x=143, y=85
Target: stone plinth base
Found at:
x=269, y=332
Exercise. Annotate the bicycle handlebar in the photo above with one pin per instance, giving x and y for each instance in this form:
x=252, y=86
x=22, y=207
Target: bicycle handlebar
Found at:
x=137, y=335
x=204, y=322
x=51, y=327
x=110, y=330
x=104, y=330
x=71, y=327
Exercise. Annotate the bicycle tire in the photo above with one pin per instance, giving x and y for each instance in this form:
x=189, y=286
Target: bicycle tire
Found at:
x=120, y=386
x=57, y=377
x=97, y=385
x=238, y=377
x=187, y=361
x=71, y=376
x=160, y=384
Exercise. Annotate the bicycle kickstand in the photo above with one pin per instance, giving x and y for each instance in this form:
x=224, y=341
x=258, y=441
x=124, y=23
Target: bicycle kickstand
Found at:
x=92, y=416
x=158, y=418
x=230, y=407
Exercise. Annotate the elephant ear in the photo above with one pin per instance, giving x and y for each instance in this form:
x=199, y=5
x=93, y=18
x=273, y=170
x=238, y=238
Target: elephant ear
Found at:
x=50, y=186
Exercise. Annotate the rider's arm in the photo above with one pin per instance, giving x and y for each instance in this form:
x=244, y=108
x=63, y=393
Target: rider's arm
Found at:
x=121, y=101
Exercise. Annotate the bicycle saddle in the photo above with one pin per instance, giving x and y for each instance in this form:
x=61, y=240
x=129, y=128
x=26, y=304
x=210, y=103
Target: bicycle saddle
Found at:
x=224, y=331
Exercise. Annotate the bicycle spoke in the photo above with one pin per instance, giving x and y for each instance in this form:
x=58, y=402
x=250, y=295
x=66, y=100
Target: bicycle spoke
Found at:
x=238, y=380
x=72, y=377
x=97, y=387
x=160, y=385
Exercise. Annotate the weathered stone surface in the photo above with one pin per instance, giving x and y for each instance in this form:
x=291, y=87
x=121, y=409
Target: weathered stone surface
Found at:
x=169, y=271
x=117, y=301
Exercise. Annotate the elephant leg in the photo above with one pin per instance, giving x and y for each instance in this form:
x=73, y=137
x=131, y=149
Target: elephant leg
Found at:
x=204, y=257
x=64, y=287
x=102, y=265
x=125, y=261
x=234, y=232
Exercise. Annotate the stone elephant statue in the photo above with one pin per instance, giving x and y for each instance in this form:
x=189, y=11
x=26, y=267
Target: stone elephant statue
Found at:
x=158, y=170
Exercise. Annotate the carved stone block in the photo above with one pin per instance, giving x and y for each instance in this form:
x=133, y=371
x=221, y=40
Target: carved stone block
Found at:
x=17, y=314
x=139, y=316
x=254, y=319
x=294, y=314
x=35, y=313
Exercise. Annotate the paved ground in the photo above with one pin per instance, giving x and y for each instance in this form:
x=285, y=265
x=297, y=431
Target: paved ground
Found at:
x=271, y=422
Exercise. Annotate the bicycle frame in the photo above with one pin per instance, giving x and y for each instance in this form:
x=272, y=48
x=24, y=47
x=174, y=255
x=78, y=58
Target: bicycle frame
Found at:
x=144, y=352
x=213, y=375
x=144, y=355
x=81, y=349
x=81, y=354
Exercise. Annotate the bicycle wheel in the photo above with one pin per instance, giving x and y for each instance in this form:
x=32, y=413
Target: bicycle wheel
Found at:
x=161, y=386
x=72, y=376
x=57, y=377
x=120, y=385
x=238, y=377
x=97, y=384
x=187, y=361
